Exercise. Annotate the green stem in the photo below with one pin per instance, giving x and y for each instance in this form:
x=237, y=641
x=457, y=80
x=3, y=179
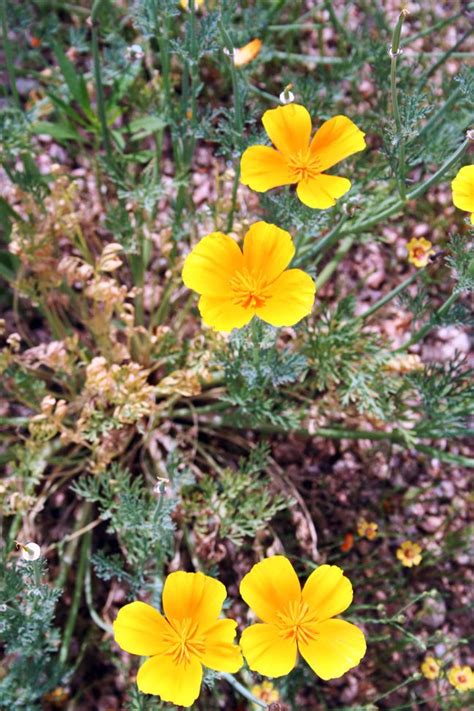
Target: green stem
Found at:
x=396, y=436
x=67, y=556
x=330, y=268
x=394, y=53
x=457, y=93
x=242, y=690
x=443, y=58
x=67, y=7
x=76, y=598
x=310, y=251
x=429, y=30
x=391, y=294
x=9, y=54
x=303, y=58
x=410, y=679
x=238, y=121
x=98, y=83
x=421, y=333
x=397, y=206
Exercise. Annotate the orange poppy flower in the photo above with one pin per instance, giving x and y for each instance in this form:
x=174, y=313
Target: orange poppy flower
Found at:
x=247, y=53
x=235, y=286
x=296, y=160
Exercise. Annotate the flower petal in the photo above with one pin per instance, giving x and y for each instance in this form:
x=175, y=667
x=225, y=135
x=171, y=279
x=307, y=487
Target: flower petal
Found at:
x=463, y=188
x=211, y=264
x=270, y=586
x=263, y=168
x=335, y=140
x=140, y=629
x=267, y=250
x=177, y=683
x=290, y=298
x=220, y=653
x=334, y=647
x=222, y=314
x=322, y=190
x=266, y=651
x=289, y=128
x=193, y=595
x=327, y=591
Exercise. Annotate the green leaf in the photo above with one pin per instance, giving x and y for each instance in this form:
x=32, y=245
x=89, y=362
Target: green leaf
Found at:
x=8, y=265
x=147, y=125
x=75, y=82
x=59, y=131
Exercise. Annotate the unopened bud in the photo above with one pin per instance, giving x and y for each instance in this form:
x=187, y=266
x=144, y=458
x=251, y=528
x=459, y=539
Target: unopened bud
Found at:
x=287, y=96
x=30, y=551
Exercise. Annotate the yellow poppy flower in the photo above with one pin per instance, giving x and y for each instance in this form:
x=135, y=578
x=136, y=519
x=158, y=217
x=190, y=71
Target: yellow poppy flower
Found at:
x=430, y=668
x=188, y=636
x=409, y=554
x=419, y=251
x=463, y=190
x=235, y=286
x=297, y=160
x=367, y=529
x=299, y=620
x=462, y=678
x=247, y=53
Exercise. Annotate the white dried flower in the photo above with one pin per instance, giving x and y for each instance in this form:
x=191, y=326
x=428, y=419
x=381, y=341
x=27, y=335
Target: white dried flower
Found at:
x=287, y=96
x=135, y=51
x=31, y=551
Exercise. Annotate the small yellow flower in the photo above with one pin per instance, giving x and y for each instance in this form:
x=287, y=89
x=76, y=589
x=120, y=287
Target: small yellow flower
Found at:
x=430, y=668
x=367, y=529
x=265, y=692
x=409, y=554
x=463, y=190
x=296, y=160
x=235, y=286
x=462, y=678
x=419, y=251
x=299, y=620
x=188, y=636
x=247, y=53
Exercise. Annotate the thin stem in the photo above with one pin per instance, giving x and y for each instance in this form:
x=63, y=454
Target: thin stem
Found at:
x=391, y=295
x=98, y=83
x=242, y=690
x=303, y=58
x=9, y=54
x=414, y=677
x=394, y=53
x=310, y=251
x=238, y=121
x=457, y=93
x=397, y=206
x=330, y=268
x=443, y=59
x=421, y=333
x=76, y=598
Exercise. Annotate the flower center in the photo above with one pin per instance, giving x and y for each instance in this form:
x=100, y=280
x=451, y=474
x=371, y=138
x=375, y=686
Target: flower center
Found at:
x=248, y=289
x=294, y=621
x=462, y=679
x=185, y=642
x=419, y=253
x=304, y=165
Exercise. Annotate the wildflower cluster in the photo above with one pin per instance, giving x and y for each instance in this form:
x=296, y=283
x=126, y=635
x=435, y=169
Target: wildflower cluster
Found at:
x=190, y=634
x=167, y=149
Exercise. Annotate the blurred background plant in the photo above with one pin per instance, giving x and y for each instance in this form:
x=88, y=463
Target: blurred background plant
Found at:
x=135, y=441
